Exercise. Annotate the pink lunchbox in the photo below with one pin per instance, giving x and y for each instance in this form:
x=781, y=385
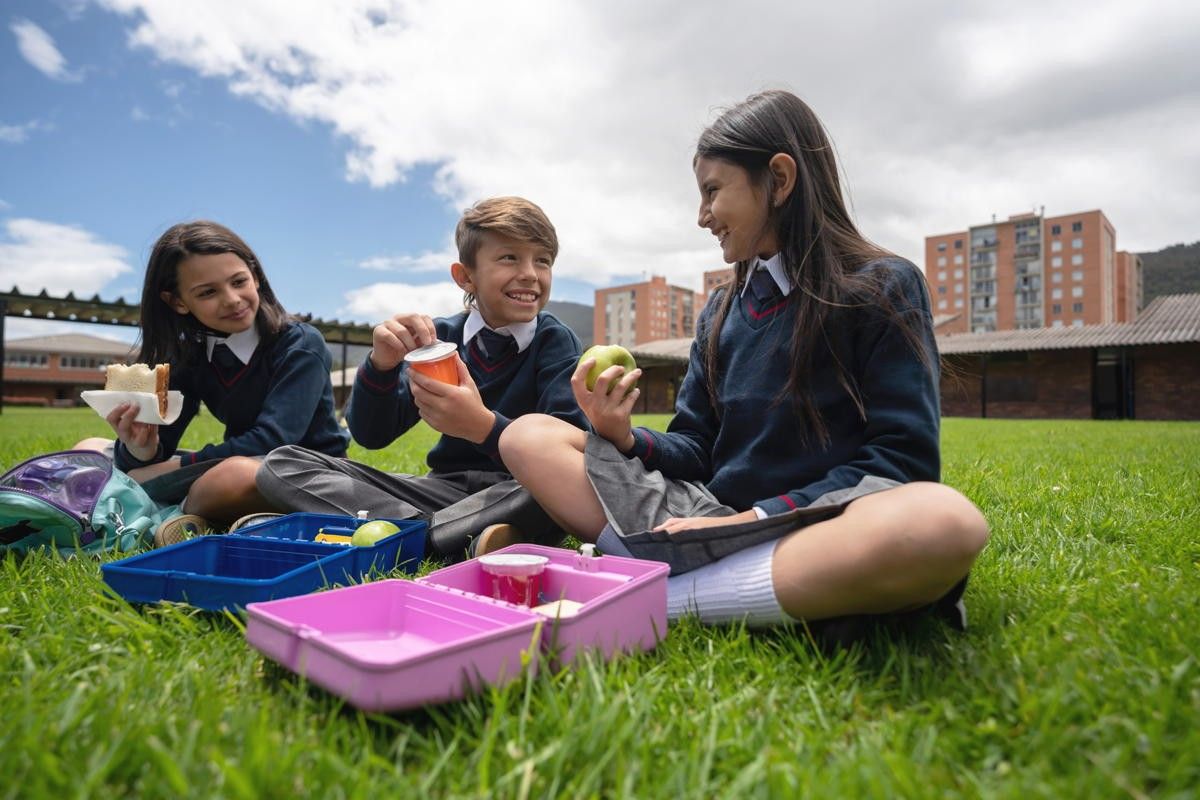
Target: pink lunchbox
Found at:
x=397, y=644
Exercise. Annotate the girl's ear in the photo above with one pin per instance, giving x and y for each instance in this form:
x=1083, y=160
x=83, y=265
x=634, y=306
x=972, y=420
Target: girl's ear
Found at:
x=175, y=303
x=462, y=276
x=783, y=178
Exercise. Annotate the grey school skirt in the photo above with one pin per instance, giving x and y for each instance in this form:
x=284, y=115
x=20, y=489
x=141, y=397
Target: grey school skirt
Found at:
x=636, y=500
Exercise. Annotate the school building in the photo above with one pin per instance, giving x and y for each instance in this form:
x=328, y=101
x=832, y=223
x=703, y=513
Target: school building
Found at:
x=643, y=312
x=53, y=370
x=1032, y=271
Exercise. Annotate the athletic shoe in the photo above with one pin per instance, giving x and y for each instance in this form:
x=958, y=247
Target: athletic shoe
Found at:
x=177, y=529
x=253, y=519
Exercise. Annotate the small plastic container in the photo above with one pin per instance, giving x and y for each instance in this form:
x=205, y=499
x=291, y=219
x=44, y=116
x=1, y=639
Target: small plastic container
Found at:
x=398, y=644
x=224, y=572
x=435, y=360
x=515, y=577
x=402, y=550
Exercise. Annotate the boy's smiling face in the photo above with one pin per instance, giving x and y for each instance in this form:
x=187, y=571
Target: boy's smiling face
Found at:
x=510, y=279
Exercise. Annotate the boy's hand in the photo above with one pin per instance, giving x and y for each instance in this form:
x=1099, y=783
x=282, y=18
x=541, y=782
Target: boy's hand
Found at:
x=452, y=410
x=609, y=412
x=679, y=524
x=139, y=438
x=392, y=339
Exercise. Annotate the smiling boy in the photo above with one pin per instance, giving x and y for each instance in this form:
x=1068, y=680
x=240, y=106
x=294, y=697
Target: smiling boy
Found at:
x=512, y=359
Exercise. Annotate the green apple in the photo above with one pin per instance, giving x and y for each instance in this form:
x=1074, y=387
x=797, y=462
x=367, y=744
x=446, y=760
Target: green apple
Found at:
x=371, y=532
x=607, y=355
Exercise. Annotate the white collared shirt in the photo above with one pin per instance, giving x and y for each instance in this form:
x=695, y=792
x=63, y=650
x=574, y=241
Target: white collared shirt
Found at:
x=241, y=344
x=773, y=265
x=521, y=331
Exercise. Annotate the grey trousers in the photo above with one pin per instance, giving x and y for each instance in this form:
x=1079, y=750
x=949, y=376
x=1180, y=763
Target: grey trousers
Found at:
x=456, y=505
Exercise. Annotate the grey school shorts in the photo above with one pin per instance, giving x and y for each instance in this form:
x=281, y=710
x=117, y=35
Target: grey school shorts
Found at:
x=636, y=500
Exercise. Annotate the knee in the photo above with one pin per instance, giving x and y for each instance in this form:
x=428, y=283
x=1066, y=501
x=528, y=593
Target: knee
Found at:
x=957, y=528
x=527, y=432
x=232, y=475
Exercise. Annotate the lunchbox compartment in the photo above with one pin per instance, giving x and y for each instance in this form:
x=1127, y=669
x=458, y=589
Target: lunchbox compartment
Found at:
x=402, y=550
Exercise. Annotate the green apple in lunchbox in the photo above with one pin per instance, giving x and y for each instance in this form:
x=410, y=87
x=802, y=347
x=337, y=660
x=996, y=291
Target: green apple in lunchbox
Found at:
x=371, y=532
x=607, y=355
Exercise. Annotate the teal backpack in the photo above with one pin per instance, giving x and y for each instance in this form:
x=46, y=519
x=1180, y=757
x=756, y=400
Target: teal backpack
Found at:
x=75, y=501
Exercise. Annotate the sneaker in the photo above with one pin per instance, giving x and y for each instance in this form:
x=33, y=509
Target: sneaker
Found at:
x=252, y=519
x=495, y=537
x=179, y=528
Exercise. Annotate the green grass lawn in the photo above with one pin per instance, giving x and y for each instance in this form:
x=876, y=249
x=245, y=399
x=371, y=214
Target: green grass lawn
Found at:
x=1078, y=677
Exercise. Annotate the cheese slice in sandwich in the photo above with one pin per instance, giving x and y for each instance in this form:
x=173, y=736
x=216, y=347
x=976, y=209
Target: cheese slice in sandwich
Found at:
x=140, y=378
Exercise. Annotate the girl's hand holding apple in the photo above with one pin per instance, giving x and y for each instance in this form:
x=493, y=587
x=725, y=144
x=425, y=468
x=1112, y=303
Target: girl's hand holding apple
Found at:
x=392, y=339
x=609, y=405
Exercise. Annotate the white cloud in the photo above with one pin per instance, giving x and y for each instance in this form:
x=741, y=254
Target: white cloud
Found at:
x=16, y=134
x=381, y=300
x=427, y=261
x=36, y=255
x=38, y=48
x=943, y=113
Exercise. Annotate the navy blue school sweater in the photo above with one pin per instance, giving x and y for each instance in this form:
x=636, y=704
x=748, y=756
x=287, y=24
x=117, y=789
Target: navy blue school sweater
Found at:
x=749, y=450
x=283, y=396
x=536, y=380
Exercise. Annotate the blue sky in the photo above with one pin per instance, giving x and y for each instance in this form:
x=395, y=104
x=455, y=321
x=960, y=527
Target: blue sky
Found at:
x=342, y=139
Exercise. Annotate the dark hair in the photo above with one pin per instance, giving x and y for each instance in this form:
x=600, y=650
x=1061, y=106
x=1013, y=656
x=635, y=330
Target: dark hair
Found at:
x=514, y=217
x=170, y=337
x=822, y=250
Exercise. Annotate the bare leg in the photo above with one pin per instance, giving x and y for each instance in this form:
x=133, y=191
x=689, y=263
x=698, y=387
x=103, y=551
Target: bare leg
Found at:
x=891, y=551
x=227, y=491
x=97, y=443
x=546, y=455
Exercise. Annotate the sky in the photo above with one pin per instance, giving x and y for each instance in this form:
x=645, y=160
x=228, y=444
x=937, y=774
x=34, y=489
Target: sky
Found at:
x=342, y=140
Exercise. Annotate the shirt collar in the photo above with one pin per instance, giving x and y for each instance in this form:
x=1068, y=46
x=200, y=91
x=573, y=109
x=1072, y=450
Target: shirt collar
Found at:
x=521, y=331
x=242, y=344
x=773, y=265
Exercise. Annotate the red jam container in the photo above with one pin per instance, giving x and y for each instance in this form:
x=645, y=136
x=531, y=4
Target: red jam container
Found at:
x=435, y=360
x=515, y=577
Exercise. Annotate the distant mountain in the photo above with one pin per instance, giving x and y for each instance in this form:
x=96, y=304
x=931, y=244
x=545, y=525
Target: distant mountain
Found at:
x=1172, y=270
x=575, y=316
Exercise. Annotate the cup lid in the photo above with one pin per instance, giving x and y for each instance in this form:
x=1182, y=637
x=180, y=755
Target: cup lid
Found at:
x=431, y=352
x=513, y=563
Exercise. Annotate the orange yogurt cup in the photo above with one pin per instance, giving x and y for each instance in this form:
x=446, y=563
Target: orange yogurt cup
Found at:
x=435, y=360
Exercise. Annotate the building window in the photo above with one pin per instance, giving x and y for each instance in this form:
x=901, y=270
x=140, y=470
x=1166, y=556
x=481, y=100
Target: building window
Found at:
x=1077, y=275
x=1056, y=261
x=958, y=288
x=941, y=261
x=941, y=290
x=1077, y=308
x=1076, y=227
x=1077, y=259
x=34, y=360
x=958, y=302
x=1056, y=294
x=1077, y=243
x=1055, y=246
x=1056, y=308
x=1055, y=229
x=958, y=244
x=1076, y=291
x=941, y=304
x=958, y=259
x=941, y=275
x=941, y=247
x=1058, y=323
x=1056, y=277
x=958, y=273
x=1076, y=323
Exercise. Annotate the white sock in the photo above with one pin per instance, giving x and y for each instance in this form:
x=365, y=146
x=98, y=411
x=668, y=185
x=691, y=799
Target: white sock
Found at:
x=738, y=587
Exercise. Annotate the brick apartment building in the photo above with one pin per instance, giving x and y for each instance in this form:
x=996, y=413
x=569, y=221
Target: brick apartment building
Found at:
x=643, y=312
x=53, y=370
x=1032, y=271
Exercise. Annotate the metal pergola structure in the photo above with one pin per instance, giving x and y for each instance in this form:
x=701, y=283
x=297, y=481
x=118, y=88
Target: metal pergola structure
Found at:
x=120, y=313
